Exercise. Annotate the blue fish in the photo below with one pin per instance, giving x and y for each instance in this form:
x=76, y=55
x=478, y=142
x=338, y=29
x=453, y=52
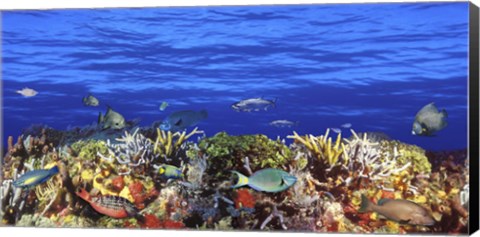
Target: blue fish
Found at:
x=266, y=180
x=180, y=120
x=35, y=177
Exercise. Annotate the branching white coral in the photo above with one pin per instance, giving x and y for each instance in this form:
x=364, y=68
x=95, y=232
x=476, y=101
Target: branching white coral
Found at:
x=374, y=164
x=132, y=150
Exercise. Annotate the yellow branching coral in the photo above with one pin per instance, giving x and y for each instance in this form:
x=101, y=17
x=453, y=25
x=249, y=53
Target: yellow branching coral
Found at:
x=322, y=146
x=168, y=142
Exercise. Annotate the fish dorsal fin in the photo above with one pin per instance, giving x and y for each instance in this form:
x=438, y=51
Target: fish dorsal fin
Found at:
x=430, y=108
x=178, y=122
x=383, y=201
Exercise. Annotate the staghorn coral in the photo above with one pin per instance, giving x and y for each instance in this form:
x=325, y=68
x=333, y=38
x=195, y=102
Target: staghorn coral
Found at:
x=168, y=143
x=321, y=147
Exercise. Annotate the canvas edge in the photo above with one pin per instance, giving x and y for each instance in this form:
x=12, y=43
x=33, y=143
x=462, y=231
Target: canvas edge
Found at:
x=474, y=117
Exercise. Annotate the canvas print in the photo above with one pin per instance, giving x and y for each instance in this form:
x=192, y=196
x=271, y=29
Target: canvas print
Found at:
x=306, y=118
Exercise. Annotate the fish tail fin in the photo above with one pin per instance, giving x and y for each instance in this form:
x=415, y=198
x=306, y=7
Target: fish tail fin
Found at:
x=366, y=205
x=242, y=180
x=54, y=170
x=84, y=194
x=100, y=117
x=444, y=113
x=275, y=102
x=204, y=113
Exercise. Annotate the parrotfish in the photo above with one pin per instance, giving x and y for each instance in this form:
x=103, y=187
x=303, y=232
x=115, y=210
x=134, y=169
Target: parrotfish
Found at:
x=90, y=100
x=35, y=177
x=170, y=171
x=283, y=123
x=429, y=121
x=27, y=92
x=398, y=210
x=111, y=120
x=266, y=180
x=253, y=104
x=180, y=120
x=112, y=206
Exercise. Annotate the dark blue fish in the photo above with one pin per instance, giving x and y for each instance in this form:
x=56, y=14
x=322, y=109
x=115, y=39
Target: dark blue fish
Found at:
x=35, y=177
x=180, y=120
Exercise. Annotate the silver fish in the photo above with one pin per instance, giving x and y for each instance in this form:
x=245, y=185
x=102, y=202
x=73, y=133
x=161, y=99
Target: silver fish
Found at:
x=253, y=104
x=90, y=100
x=182, y=119
x=283, y=123
x=336, y=130
x=111, y=120
x=346, y=125
x=429, y=121
x=27, y=92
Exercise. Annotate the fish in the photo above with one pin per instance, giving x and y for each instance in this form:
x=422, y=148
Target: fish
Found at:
x=170, y=171
x=398, y=210
x=35, y=177
x=336, y=130
x=346, y=125
x=253, y=104
x=283, y=123
x=266, y=180
x=180, y=120
x=112, y=206
x=429, y=120
x=90, y=100
x=27, y=92
x=111, y=120
x=163, y=106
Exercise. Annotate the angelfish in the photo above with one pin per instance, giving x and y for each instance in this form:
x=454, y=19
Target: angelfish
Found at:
x=35, y=177
x=111, y=120
x=169, y=171
x=398, y=210
x=429, y=120
x=267, y=180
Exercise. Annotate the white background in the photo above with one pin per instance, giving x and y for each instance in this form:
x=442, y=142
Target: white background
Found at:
x=38, y=4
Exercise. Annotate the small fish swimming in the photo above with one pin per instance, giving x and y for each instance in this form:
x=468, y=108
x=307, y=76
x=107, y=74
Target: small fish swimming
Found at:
x=170, y=171
x=111, y=120
x=429, y=121
x=346, y=125
x=283, y=123
x=112, y=206
x=163, y=106
x=180, y=120
x=266, y=180
x=336, y=130
x=35, y=177
x=398, y=210
x=27, y=92
x=253, y=104
x=90, y=100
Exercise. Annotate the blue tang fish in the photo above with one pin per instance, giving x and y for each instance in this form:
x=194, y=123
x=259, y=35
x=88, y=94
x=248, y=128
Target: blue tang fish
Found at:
x=35, y=177
x=180, y=120
x=266, y=180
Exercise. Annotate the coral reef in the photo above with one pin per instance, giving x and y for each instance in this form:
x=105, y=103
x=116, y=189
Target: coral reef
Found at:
x=332, y=174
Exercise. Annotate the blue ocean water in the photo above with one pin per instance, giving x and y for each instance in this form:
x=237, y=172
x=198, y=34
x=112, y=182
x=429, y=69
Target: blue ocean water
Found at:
x=371, y=65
